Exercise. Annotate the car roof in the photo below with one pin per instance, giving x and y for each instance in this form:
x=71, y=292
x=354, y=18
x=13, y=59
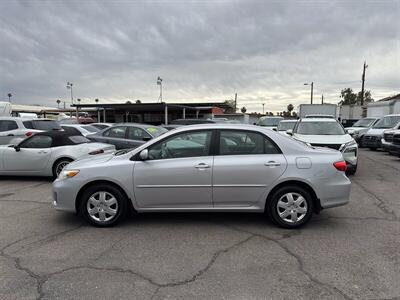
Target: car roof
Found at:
x=141, y=125
x=319, y=120
x=60, y=138
x=288, y=121
x=24, y=119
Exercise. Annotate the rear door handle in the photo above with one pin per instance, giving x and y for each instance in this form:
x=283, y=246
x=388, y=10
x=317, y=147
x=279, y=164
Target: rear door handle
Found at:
x=202, y=166
x=272, y=164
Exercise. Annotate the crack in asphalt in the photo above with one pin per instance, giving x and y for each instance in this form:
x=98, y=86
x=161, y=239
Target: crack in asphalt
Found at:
x=23, y=201
x=381, y=203
x=326, y=286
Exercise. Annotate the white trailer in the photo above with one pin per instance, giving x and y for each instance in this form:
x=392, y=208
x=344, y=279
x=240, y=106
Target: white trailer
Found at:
x=318, y=109
x=382, y=108
x=5, y=109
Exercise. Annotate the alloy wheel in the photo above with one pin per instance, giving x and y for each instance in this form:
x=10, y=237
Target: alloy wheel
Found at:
x=292, y=207
x=102, y=206
x=61, y=166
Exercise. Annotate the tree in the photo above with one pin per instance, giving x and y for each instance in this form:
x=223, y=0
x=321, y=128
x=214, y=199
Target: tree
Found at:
x=350, y=98
x=243, y=109
x=230, y=109
x=290, y=107
x=58, y=103
x=138, y=101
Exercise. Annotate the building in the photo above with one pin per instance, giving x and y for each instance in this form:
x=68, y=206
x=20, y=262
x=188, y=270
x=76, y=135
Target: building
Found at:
x=150, y=113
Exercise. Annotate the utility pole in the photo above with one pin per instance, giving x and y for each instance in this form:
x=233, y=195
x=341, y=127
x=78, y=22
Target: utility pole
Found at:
x=159, y=82
x=322, y=99
x=362, y=82
x=69, y=87
x=263, y=107
x=312, y=90
x=235, y=102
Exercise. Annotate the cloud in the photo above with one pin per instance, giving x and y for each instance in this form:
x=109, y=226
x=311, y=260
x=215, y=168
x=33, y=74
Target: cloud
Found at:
x=204, y=51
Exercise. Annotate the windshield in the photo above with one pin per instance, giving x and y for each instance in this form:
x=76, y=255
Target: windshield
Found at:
x=156, y=131
x=269, y=121
x=387, y=122
x=283, y=126
x=91, y=128
x=320, y=128
x=45, y=125
x=78, y=139
x=363, y=123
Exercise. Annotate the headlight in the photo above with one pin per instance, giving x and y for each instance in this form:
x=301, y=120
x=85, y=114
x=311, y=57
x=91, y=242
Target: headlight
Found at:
x=67, y=174
x=350, y=144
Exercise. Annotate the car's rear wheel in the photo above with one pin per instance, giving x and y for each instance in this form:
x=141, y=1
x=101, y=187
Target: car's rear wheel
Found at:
x=59, y=165
x=290, y=206
x=103, y=205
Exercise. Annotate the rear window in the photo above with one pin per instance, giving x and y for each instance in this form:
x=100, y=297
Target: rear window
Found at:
x=45, y=125
x=269, y=121
x=320, y=128
x=90, y=128
x=6, y=125
x=283, y=126
x=156, y=131
x=78, y=139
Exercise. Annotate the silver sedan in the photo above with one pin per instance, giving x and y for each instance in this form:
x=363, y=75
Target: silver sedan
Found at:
x=210, y=167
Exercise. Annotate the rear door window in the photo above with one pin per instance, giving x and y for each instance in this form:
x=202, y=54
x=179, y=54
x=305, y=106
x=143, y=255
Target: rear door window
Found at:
x=6, y=125
x=135, y=133
x=116, y=132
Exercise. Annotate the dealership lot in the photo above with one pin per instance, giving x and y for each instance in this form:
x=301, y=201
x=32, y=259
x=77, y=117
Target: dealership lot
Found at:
x=351, y=252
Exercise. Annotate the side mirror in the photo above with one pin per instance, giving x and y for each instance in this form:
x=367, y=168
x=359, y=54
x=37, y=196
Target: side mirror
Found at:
x=144, y=154
x=274, y=129
x=289, y=132
x=146, y=138
x=17, y=148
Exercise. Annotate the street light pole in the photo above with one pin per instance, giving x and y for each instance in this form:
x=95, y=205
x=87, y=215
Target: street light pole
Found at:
x=312, y=90
x=263, y=107
x=9, y=97
x=159, y=82
x=69, y=87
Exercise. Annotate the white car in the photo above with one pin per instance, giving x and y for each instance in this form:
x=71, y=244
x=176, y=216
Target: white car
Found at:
x=285, y=125
x=326, y=132
x=12, y=128
x=47, y=153
x=269, y=122
x=83, y=129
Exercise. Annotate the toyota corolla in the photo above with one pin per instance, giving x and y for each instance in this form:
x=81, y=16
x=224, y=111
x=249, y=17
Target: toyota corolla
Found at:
x=211, y=167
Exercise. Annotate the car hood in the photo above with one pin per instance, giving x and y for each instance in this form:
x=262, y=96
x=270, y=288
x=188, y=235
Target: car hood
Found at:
x=376, y=131
x=90, y=160
x=324, y=139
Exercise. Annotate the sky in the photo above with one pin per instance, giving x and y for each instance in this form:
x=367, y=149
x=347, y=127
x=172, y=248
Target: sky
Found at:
x=203, y=50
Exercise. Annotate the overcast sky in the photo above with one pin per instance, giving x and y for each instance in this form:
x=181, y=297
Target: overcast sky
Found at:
x=204, y=50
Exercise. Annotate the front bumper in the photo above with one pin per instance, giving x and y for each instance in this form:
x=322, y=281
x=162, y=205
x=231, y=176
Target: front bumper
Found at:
x=64, y=194
x=386, y=146
x=395, y=148
x=372, y=141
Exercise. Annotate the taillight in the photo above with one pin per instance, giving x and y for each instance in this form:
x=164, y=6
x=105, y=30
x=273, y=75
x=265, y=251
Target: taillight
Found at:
x=340, y=165
x=96, y=152
x=29, y=133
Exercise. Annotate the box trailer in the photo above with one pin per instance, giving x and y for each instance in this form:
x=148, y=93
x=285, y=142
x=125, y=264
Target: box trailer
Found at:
x=382, y=108
x=318, y=109
x=5, y=109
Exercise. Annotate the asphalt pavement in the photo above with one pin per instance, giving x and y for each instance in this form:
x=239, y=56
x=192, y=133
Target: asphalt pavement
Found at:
x=351, y=252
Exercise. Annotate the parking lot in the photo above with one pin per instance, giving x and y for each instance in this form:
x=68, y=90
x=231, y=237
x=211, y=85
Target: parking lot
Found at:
x=351, y=252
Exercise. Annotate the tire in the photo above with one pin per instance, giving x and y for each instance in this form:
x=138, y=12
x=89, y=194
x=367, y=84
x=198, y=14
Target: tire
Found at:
x=372, y=148
x=279, y=197
x=352, y=171
x=101, y=215
x=59, y=165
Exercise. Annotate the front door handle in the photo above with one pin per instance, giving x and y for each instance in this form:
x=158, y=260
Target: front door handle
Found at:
x=272, y=164
x=202, y=166
x=10, y=134
x=42, y=151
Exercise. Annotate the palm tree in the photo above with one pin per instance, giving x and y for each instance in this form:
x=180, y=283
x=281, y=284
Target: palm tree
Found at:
x=9, y=97
x=58, y=103
x=290, y=107
x=243, y=109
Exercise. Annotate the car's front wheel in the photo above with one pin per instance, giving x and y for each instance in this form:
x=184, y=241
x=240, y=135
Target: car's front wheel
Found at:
x=103, y=205
x=290, y=206
x=59, y=165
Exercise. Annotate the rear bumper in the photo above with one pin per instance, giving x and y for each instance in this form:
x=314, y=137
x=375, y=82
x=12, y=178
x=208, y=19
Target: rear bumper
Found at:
x=333, y=192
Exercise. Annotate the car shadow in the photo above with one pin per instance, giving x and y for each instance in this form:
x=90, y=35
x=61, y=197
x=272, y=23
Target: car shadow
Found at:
x=26, y=178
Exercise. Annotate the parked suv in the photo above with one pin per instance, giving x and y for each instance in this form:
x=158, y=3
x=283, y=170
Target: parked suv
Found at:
x=360, y=127
x=395, y=146
x=373, y=138
x=387, y=140
x=12, y=128
x=325, y=132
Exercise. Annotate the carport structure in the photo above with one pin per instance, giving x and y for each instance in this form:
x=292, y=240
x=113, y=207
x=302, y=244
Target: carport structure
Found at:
x=151, y=113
